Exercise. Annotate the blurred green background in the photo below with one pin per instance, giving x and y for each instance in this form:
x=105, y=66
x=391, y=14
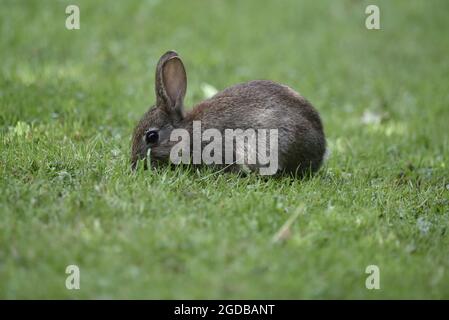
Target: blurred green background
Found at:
x=69, y=100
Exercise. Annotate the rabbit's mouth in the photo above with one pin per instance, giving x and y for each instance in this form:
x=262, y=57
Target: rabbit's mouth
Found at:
x=135, y=163
x=151, y=156
x=139, y=157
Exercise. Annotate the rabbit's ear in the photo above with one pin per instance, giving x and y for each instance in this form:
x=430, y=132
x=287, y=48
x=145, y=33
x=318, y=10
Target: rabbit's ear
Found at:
x=171, y=84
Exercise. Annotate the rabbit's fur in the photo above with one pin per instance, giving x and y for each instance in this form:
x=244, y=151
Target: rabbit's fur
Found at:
x=258, y=104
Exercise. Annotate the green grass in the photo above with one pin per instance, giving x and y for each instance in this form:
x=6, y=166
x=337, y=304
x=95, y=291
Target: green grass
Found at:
x=69, y=101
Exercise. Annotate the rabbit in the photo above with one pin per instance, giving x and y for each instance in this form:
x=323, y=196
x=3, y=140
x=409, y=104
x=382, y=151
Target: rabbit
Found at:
x=258, y=104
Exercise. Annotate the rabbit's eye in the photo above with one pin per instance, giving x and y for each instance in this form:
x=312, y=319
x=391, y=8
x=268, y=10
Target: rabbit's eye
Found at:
x=151, y=136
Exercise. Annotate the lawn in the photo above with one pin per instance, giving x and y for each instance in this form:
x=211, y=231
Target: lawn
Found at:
x=69, y=100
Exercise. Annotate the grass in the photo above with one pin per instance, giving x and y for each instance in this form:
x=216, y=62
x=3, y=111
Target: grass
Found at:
x=69, y=101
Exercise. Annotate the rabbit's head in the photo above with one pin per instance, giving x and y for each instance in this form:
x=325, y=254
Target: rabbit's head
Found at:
x=153, y=130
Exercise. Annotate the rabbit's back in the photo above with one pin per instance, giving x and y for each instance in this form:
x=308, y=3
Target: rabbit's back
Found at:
x=263, y=104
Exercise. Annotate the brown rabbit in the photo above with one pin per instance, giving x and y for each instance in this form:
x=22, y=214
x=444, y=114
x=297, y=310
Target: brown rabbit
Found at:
x=255, y=105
